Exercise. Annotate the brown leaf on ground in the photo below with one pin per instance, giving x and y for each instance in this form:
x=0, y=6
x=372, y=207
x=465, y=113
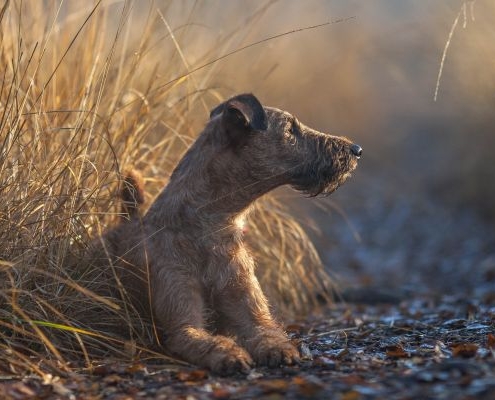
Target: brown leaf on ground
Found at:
x=274, y=386
x=221, y=393
x=192, y=376
x=308, y=386
x=397, y=352
x=465, y=350
x=136, y=367
x=352, y=395
x=490, y=341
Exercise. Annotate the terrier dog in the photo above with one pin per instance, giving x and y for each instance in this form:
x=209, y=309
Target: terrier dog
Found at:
x=185, y=262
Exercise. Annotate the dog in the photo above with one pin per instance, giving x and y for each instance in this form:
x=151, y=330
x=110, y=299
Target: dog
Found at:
x=184, y=263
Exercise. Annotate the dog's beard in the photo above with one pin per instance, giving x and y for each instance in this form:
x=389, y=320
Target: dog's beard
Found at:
x=323, y=180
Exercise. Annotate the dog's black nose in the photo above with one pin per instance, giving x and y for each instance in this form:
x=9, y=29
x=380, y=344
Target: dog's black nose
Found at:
x=356, y=150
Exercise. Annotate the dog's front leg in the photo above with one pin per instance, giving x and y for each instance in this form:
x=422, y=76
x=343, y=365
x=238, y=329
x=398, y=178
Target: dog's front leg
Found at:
x=246, y=314
x=178, y=307
x=220, y=354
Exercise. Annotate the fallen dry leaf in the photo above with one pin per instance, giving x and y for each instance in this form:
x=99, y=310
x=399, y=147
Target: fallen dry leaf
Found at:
x=274, y=385
x=136, y=367
x=352, y=395
x=397, y=352
x=465, y=350
x=490, y=341
x=221, y=393
x=308, y=386
x=192, y=376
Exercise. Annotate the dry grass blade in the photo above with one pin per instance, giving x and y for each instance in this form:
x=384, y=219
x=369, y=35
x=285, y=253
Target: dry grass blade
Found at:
x=462, y=12
x=216, y=60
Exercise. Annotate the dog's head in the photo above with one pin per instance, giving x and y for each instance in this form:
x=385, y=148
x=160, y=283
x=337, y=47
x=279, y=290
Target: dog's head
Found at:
x=278, y=149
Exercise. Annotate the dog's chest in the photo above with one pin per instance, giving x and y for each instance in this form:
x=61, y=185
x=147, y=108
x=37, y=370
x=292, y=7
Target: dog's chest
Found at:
x=221, y=266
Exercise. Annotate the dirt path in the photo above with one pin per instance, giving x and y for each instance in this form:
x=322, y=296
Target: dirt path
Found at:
x=415, y=350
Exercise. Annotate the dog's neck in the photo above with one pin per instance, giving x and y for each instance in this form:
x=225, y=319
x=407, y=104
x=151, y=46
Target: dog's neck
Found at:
x=203, y=207
x=206, y=194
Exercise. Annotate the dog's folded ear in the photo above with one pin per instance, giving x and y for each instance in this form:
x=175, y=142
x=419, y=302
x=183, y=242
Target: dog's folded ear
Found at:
x=239, y=116
x=243, y=112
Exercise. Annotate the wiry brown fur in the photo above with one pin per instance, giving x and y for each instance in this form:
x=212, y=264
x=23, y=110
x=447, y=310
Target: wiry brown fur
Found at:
x=132, y=194
x=184, y=264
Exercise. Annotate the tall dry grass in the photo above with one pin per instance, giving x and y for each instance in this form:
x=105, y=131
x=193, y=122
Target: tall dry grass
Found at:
x=84, y=92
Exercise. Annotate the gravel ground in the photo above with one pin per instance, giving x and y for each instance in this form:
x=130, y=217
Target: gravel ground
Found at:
x=420, y=349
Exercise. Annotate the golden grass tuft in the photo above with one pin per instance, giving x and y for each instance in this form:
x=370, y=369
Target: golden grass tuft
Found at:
x=82, y=96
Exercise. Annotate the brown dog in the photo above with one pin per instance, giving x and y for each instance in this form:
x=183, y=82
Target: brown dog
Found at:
x=185, y=263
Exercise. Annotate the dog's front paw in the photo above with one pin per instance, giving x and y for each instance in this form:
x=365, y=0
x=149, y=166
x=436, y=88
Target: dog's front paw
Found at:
x=230, y=361
x=274, y=351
